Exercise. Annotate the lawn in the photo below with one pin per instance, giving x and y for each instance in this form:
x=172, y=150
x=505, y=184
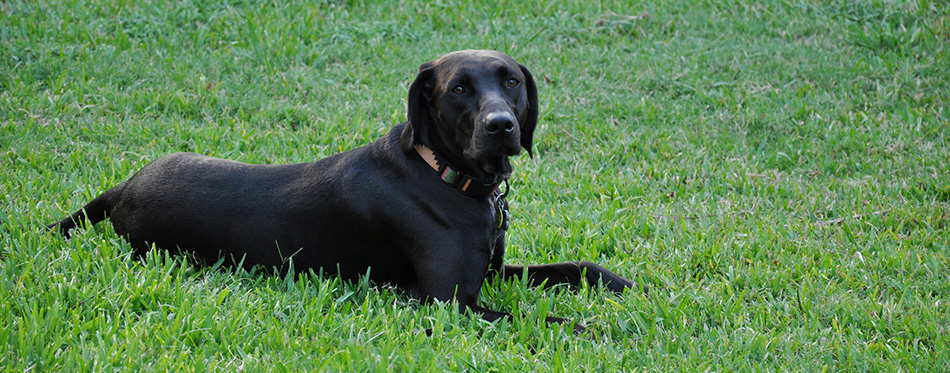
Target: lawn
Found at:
x=777, y=171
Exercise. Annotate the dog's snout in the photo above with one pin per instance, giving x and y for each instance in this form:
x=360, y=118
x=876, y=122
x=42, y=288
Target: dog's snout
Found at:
x=500, y=124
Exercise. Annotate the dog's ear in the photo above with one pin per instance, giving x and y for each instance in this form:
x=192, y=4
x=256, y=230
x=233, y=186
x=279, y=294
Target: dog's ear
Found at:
x=531, y=121
x=416, y=131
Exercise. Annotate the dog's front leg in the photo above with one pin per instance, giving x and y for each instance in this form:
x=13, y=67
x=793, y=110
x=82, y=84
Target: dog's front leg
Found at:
x=461, y=279
x=492, y=316
x=570, y=273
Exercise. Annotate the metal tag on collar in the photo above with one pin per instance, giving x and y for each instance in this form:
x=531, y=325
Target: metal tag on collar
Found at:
x=502, y=216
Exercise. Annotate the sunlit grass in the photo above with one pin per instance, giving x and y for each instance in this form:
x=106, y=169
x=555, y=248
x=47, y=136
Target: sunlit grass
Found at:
x=777, y=173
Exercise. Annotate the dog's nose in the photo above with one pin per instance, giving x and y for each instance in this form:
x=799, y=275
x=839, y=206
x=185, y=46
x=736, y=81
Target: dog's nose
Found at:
x=500, y=124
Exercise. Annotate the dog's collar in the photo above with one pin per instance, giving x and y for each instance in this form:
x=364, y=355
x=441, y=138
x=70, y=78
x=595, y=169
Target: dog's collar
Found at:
x=454, y=178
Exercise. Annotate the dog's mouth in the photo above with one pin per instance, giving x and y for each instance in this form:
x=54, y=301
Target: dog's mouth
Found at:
x=497, y=165
x=494, y=164
x=492, y=157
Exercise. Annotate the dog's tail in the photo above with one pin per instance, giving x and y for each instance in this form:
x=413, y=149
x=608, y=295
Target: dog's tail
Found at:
x=95, y=211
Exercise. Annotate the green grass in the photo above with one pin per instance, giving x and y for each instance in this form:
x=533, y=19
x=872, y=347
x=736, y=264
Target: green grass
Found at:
x=776, y=170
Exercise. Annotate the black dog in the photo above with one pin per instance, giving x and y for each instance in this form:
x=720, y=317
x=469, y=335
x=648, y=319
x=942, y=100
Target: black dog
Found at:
x=421, y=207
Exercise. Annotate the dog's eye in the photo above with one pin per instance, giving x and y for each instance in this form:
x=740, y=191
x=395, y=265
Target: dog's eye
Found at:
x=513, y=83
x=458, y=90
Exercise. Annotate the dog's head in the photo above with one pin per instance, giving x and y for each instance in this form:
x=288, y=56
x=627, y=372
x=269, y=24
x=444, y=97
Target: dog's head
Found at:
x=474, y=107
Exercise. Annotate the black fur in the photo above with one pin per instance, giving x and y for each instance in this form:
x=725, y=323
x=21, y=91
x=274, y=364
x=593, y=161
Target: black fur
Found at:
x=380, y=206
